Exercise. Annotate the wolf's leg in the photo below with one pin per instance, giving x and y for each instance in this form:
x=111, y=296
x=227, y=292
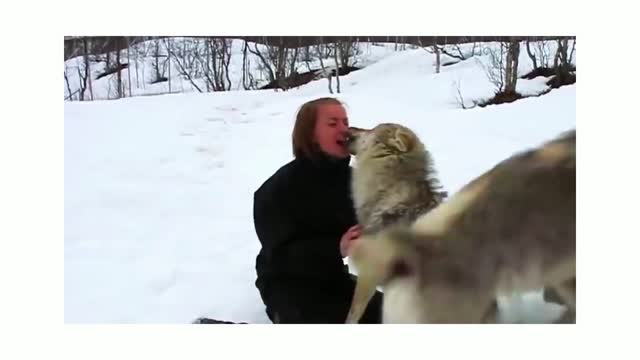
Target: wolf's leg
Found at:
x=491, y=314
x=363, y=293
x=552, y=296
x=566, y=291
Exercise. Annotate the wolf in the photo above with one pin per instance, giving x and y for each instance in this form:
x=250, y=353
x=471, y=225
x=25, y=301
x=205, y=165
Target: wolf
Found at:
x=510, y=230
x=394, y=182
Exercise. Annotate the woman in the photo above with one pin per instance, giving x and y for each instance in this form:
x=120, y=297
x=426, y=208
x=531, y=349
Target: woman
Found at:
x=305, y=221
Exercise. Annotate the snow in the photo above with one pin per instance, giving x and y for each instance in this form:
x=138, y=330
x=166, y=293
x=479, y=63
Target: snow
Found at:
x=159, y=189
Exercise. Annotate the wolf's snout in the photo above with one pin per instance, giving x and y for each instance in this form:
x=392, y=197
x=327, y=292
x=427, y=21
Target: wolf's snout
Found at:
x=349, y=139
x=352, y=134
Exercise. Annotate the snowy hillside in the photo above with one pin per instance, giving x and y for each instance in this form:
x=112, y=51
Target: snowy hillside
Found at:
x=143, y=58
x=158, y=189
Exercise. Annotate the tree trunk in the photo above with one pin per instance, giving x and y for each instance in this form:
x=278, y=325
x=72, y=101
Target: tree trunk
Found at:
x=137, y=75
x=87, y=66
x=129, y=64
x=120, y=87
x=168, y=45
x=265, y=64
x=205, y=65
x=226, y=53
x=66, y=80
x=335, y=57
x=245, y=65
x=280, y=65
x=83, y=84
x=324, y=70
x=157, y=57
x=573, y=49
x=511, y=69
x=516, y=63
x=436, y=50
x=532, y=56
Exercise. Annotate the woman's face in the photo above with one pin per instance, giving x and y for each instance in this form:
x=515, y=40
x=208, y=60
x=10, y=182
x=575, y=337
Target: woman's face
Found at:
x=332, y=129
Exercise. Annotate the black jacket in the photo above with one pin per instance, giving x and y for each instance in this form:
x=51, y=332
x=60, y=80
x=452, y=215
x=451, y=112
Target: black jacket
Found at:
x=300, y=214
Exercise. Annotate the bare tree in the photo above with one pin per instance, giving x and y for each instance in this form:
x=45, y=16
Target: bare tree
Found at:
x=185, y=59
x=159, y=64
x=496, y=69
x=455, y=52
x=82, y=75
x=307, y=57
x=511, y=71
x=129, y=64
x=573, y=49
x=335, y=57
x=278, y=59
x=211, y=72
x=225, y=53
x=215, y=62
x=159, y=68
x=265, y=66
x=348, y=49
x=142, y=52
x=278, y=62
x=562, y=64
x=502, y=70
x=247, y=77
x=324, y=69
x=436, y=50
x=137, y=73
x=119, y=74
x=168, y=45
x=66, y=80
x=532, y=56
x=543, y=53
x=87, y=65
x=293, y=61
x=433, y=49
x=562, y=59
x=399, y=43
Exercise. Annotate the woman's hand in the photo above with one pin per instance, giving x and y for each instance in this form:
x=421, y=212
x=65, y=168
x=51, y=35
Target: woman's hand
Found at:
x=348, y=239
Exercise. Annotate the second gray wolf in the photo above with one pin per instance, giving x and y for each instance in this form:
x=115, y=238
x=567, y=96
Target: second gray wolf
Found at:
x=510, y=230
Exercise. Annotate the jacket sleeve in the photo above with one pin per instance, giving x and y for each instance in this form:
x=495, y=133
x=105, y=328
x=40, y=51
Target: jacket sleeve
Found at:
x=272, y=224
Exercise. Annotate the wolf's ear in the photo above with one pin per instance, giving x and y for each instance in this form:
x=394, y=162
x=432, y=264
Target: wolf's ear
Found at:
x=402, y=141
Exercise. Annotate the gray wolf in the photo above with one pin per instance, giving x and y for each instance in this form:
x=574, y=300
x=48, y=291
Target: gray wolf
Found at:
x=394, y=182
x=510, y=230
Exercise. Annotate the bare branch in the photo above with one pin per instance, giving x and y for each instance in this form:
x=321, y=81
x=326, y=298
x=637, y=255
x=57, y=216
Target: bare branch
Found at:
x=66, y=80
x=460, y=55
x=185, y=68
x=324, y=70
x=265, y=63
x=573, y=48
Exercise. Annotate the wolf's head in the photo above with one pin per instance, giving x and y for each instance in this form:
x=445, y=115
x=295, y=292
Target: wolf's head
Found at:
x=383, y=140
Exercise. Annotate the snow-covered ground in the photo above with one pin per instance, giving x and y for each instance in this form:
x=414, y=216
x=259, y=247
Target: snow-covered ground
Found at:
x=158, y=189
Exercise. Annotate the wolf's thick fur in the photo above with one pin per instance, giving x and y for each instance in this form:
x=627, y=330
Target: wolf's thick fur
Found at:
x=394, y=182
x=510, y=230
